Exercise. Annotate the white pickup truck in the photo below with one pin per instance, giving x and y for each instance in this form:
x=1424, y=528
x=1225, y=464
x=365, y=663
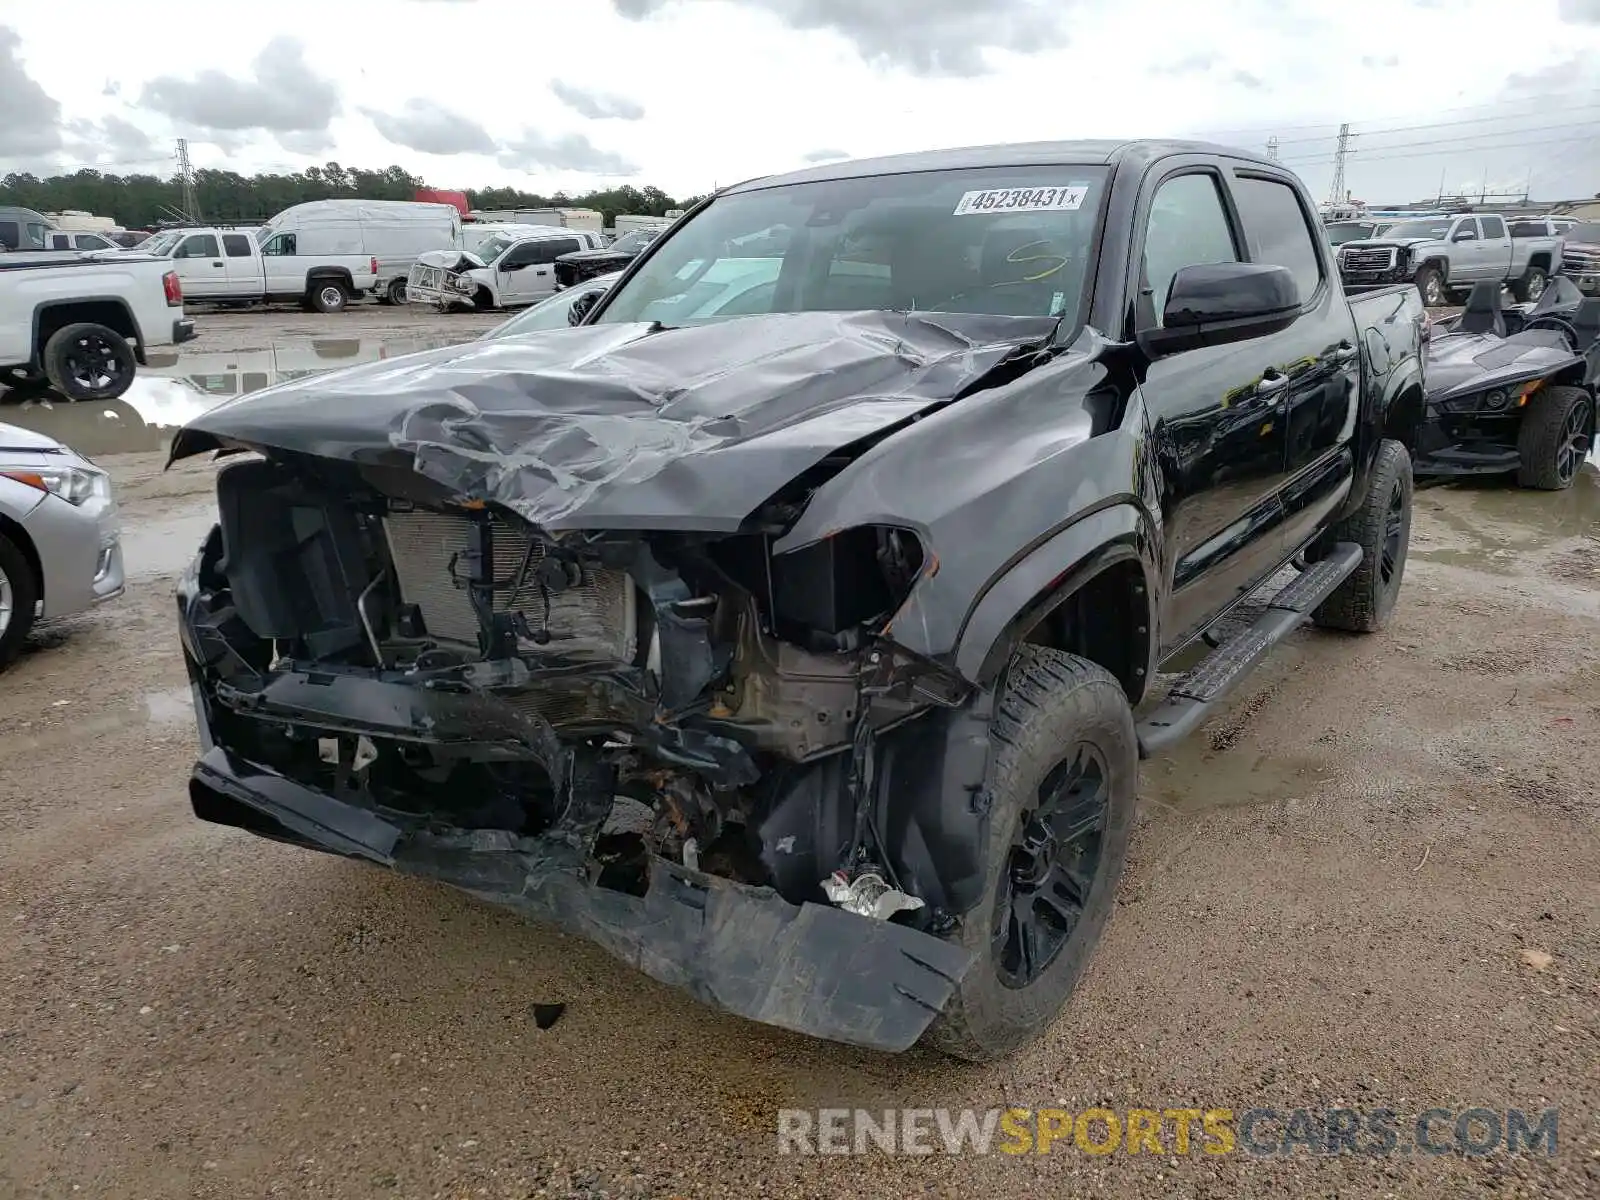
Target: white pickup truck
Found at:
x=83, y=320
x=228, y=265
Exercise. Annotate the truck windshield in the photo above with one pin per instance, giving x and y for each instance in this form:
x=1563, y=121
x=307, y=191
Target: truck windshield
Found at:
x=1432, y=230
x=492, y=248
x=1009, y=241
x=1349, y=231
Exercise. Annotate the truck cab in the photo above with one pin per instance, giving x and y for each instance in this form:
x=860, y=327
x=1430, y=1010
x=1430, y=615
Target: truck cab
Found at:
x=224, y=264
x=78, y=239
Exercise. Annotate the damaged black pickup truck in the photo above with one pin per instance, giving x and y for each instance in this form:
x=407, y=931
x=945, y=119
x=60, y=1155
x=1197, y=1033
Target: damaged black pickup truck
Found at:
x=780, y=626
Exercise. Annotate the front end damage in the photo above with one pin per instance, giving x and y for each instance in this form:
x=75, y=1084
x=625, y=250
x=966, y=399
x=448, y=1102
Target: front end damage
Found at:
x=703, y=754
x=444, y=279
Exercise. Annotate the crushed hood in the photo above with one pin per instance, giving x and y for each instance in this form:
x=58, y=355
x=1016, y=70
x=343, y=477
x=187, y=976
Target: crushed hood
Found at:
x=1383, y=243
x=628, y=426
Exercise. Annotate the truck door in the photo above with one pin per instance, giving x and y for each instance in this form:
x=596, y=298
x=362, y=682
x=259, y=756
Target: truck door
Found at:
x=1466, y=252
x=525, y=272
x=282, y=273
x=244, y=275
x=198, y=261
x=1215, y=415
x=1319, y=353
x=1495, y=248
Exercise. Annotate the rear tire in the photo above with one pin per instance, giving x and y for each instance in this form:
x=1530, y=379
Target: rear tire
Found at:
x=327, y=296
x=1531, y=286
x=1382, y=528
x=1057, y=714
x=397, y=291
x=89, y=362
x=18, y=594
x=1431, y=284
x=1555, y=438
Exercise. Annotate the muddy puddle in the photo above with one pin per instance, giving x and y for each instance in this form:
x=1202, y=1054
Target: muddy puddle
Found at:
x=164, y=710
x=177, y=386
x=1493, y=525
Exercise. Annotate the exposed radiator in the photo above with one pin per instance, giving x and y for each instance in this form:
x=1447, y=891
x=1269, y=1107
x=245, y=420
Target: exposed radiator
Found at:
x=597, y=616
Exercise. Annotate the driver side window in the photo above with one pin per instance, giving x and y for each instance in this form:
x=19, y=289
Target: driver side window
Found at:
x=1188, y=226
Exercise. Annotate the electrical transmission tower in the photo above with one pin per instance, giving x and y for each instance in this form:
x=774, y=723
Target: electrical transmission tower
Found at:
x=1336, y=190
x=1272, y=147
x=191, y=201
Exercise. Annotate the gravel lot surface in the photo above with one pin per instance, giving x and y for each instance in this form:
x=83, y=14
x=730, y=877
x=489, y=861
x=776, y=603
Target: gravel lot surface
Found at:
x=1372, y=882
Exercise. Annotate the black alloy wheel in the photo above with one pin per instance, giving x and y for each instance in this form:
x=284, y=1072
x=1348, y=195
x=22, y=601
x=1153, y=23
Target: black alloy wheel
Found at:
x=1053, y=862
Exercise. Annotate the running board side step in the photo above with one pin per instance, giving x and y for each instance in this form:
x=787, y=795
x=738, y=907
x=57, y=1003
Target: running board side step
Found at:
x=1194, y=697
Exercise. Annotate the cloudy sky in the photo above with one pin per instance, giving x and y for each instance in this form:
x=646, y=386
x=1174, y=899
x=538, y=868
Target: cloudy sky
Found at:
x=685, y=94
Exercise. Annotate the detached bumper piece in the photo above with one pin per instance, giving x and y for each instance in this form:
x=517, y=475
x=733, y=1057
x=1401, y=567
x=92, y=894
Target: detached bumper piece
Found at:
x=809, y=968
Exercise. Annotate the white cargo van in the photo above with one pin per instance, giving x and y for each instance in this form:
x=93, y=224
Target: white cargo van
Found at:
x=392, y=231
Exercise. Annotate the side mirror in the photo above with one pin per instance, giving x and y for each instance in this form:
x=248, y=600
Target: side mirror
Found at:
x=1464, y=235
x=1212, y=304
x=582, y=307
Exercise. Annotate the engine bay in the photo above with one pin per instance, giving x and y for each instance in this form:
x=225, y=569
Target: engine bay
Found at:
x=445, y=664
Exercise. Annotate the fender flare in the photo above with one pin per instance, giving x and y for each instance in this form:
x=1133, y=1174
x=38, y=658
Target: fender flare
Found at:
x=1407, y=377
x=1038, y=583
x=321, y=274
x=44, y=306
x=1439, y=263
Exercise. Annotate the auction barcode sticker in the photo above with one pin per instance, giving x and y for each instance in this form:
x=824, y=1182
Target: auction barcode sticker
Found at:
x=1008, y=200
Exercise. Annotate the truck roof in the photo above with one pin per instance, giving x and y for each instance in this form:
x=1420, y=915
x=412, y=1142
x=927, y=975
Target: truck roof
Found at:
x=1103, y=152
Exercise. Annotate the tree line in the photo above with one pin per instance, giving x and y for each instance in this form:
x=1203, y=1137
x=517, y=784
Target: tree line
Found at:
x=226, y=197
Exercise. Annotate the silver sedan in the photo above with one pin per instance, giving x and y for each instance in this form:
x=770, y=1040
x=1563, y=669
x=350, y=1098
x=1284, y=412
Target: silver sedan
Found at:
x=60, y=537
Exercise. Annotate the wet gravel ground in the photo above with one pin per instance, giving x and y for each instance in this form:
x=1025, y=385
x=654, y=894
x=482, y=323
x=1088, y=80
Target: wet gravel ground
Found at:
x=1370, y=883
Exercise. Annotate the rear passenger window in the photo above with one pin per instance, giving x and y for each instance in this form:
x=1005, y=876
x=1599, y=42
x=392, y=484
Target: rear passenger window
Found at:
x=1493, y=227
x=60, y=241
x=548, y=251
x=1278, y=231
x=10, y=234
x=236, y=244
x=1188, y=226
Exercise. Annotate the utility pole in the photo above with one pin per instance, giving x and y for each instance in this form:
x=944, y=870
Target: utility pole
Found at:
x=191, y=201
x=1336, y=190
x=1272, y=147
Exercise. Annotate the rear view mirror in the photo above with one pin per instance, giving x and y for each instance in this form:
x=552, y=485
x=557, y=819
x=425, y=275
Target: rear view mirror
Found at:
x=1211, y=304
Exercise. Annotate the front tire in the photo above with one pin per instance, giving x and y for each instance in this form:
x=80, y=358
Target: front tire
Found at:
x=89, y=362
x=1431, y=284
x=1531, y=286
x=1063, y=782
x=1554, y=439
x=1382, y=528
x=18, y=595
x=327, y=296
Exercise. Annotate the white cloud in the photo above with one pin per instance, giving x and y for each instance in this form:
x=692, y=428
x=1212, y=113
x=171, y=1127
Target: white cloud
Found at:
x=729, y=89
